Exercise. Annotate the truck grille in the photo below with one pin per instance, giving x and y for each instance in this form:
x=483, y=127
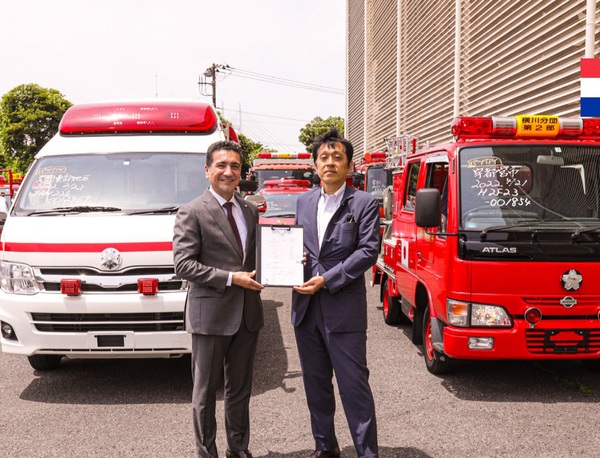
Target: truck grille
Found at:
x=562, y=341
x=96, y=281
x=85, y=322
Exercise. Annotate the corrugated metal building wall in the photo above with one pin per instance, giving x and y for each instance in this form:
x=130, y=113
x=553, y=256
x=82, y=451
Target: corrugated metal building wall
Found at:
x=515, y=57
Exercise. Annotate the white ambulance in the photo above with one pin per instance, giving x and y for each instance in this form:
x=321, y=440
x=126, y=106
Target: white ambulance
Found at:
x=86, y=261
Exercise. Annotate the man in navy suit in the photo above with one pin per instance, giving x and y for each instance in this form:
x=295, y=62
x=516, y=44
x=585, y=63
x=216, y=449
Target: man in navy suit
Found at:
x=329, y=311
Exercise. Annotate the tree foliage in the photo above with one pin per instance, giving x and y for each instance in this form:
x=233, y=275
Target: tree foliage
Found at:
x=29, y=117
x=319, y=126
x=250, y=148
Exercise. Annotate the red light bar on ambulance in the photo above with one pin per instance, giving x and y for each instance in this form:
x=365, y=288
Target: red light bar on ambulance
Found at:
x=129, y=117
x=525, y=126
x=284, y=155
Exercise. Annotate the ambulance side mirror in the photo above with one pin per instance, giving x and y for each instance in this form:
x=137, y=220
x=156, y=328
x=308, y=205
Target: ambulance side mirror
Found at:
x=428, y=207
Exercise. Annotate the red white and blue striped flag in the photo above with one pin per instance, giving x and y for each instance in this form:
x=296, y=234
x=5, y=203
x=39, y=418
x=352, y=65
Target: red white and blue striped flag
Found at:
x=590, y=88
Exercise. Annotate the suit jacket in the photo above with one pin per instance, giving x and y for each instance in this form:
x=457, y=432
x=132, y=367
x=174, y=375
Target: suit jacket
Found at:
x=205, y=251
x=350, y=247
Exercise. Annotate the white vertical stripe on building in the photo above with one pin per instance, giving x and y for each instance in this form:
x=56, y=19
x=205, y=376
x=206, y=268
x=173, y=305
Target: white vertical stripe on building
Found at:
x=515, y=57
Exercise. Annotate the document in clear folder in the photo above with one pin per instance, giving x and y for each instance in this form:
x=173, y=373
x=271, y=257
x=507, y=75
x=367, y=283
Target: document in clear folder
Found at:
x=280, y=255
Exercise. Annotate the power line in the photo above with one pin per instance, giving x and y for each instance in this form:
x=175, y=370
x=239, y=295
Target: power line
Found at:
x=264, y=115
x=227, y=70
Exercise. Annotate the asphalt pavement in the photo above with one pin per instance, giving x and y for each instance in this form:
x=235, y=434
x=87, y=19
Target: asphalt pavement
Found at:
x=141, y=408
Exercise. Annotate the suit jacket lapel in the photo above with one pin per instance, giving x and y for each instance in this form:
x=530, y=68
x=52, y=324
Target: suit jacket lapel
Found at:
x=348, y=194
x=218, y=215
x=311, y=233
x=250, y=225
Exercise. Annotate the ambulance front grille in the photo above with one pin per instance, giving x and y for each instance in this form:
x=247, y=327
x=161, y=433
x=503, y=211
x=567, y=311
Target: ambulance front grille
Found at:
x=85, y=322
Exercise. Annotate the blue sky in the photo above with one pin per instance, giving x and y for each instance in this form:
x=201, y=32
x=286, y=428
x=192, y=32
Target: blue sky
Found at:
x=96, y=50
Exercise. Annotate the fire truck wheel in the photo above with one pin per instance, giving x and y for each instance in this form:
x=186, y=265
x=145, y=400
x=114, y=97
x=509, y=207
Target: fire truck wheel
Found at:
x=436, y=362
x=391, y=307
x=592, y=365
x=44, y=362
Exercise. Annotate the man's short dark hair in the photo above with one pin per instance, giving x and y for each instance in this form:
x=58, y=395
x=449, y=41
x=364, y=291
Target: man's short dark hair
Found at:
x=227, y=145
x=330, y=138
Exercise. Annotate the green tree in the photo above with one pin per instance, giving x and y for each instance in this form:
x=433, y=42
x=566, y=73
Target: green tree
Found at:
x=250, y=148
x=319, y=126
x=29, y=117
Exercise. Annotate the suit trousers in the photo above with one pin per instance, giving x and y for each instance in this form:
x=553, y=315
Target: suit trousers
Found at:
x=321, y=354
x=215, y=357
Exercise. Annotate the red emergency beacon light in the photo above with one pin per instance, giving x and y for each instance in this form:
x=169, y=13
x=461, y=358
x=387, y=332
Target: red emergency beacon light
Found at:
x=284, y=155
x=375, y=156
x=136, y=117
x=287, y=183
x=526, y=127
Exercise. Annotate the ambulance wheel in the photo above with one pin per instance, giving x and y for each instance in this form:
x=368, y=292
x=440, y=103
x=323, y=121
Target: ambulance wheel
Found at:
x=436, y=362
x=391, y=307
x=592, y=365
x=44, y=362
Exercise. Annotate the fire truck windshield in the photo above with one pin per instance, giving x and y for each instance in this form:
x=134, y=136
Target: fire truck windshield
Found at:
x=281, y=205
x=124, y=181
x=377, y=180
x=530, y=187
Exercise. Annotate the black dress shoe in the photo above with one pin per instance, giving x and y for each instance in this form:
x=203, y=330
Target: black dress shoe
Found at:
x=243, y=454
x=335, y=453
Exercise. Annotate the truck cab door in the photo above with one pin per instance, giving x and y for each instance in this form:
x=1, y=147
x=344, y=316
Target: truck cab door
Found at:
x=431, y=249
x=404, y=226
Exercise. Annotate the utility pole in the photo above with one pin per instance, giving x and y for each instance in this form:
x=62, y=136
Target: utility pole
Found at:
x=211, y=72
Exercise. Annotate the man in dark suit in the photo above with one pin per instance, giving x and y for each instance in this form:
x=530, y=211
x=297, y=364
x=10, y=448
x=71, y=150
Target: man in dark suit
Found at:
x=223, y=306
x=329, y=311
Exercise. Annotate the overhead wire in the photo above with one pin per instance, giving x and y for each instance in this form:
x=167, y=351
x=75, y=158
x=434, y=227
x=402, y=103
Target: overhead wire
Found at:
x=256, y=129
x=277, y=80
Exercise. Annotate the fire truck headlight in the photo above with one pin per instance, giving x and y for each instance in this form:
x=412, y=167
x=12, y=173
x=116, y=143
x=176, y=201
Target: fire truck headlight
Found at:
x=489, y=315
x=465, y=314
x=17, y=279
x=458, y=313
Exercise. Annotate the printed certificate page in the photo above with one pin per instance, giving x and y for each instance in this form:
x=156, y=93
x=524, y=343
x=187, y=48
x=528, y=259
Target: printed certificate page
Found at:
x=280, y=254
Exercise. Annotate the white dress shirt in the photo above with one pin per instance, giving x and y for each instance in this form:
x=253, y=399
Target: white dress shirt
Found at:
x=326, y=207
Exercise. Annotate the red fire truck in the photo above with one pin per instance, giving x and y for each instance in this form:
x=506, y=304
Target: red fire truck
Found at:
x=274, y=166
x=371, y=174
x=281, y=196
x=492, y=249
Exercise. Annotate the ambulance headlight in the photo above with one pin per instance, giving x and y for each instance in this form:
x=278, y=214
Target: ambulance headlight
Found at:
x=17, y=279
x=465, y=314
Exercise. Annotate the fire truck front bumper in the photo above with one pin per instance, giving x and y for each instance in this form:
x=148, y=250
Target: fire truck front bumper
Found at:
x=575, y=339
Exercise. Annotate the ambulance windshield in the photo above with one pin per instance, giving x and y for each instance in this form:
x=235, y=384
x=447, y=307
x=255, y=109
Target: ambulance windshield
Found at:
x=530, y=187
x=124, y=181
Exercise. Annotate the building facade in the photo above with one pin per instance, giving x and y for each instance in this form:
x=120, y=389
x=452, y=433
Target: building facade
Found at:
x=412, y=65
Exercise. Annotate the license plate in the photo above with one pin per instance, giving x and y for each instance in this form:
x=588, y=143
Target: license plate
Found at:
x=566, y=341
x=107, y=340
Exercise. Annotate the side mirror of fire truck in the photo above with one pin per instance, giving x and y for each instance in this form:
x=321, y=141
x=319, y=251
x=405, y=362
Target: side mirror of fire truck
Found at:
x=428, y=208
x=358, y=180
x=248, y=186
x=388, y=203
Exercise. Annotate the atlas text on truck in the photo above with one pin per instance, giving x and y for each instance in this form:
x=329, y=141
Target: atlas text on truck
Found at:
x=87, y=264
x=492, y=242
